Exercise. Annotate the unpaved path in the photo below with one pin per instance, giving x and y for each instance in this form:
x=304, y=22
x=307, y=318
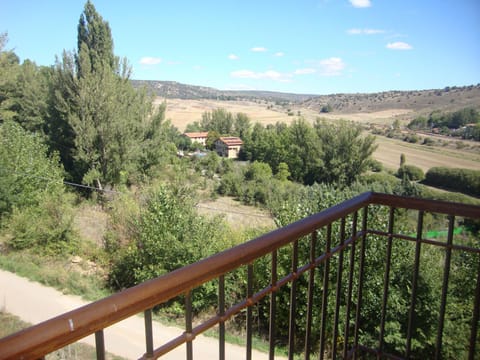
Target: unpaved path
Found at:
x=34, y=303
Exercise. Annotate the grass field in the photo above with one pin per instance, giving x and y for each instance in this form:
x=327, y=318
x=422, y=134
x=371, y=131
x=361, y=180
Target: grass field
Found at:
x=425, y=157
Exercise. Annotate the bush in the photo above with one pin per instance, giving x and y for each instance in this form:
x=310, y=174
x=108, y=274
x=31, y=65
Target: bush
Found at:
x=48, y=226
x=462, y=180
x=428, y=141
x=26, y=172
x=411, y=138
x=412, y=172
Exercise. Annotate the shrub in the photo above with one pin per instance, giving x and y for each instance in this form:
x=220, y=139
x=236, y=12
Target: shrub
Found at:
x=462, y=180
x=428, y=141
x=48, y=226
x=411, y=138
x=412, y=172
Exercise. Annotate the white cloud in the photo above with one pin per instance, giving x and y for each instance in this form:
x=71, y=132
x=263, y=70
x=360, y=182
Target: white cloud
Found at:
x=305, y=71
x=258, y=49
x=233, y=57
x=361, y=3
x=365, y=31
x=269, y=74
x=279, y=54
x=148, y=60
x=399, y=45
x=331, y=67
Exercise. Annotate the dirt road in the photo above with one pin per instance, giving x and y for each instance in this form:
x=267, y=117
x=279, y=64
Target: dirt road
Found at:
x=34, y=303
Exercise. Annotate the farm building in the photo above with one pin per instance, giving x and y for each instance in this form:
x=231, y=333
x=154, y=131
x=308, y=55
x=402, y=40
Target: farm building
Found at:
x=228, y=147
x=199, y=137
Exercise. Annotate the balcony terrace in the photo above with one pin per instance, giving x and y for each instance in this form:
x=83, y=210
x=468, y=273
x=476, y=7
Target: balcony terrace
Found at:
x=340, y=298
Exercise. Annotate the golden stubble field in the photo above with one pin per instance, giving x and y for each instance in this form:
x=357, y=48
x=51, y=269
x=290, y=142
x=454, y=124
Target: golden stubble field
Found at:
x=182, y=112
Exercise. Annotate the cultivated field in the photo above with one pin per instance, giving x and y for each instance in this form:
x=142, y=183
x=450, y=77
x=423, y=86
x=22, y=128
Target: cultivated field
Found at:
x=183, y=112
x=425, y=157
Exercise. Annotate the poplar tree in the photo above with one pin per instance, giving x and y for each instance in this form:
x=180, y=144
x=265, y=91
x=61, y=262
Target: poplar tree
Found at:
x=99, y=117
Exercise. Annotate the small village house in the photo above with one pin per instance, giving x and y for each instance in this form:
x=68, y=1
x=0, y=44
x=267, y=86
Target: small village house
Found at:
x=197, y=137
x=228, y=147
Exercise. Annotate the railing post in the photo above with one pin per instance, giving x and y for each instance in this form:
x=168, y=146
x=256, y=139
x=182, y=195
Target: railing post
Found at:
x=148, y=333
x=326, y=272
x=476, y=316
x=311, y=287
x=100, y=345
x=293, y=303
x=188, y=324
x=360, y=280
x=273, y=307
x=350, y=286
x=338, y=293
x=446, y=276
x=386, y=279
x=249, y=311
x=413, y=299
x=221, y=312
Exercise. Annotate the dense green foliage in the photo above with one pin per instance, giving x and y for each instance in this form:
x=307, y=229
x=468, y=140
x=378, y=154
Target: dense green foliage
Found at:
x=462, y=180
x=33, y=206
x=332, y=153
x=26, y=172
x=412, y=172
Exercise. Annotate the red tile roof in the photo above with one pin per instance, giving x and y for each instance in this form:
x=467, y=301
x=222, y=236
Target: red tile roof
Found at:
x=196, y=135
x=231, y=140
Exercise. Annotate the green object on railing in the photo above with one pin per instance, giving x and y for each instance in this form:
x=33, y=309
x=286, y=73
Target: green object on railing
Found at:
x=439, y=233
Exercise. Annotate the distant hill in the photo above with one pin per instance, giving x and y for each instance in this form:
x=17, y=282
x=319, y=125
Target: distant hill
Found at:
x=175, y=90
x=420, y=101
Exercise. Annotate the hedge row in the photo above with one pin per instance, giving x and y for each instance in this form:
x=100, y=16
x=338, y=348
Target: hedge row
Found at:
x=462, y=180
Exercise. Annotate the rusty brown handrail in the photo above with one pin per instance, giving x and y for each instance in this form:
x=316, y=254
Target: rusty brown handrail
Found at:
x=65, y=329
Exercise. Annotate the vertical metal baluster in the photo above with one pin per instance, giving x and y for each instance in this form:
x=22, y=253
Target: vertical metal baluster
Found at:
x=386, y=279
x=249, y=311
x=411, y=316
x=221, y=312
x=476, y=316
x=188, y=324
x=273, y=307
x=148, y=333
x=338, y=293
x=350, y=286
x=360, y=280
x=326, y=271
x=446, y=276
x=293, y=304
x=100, y=345
x=311, y=287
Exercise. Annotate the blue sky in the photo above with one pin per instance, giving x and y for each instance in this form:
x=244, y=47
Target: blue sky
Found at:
x=301, y=46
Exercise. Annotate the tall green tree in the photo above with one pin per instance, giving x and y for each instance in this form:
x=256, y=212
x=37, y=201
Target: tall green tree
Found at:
x=101, y=120
x=346, y=153
x=94, y=42
x=23, y=90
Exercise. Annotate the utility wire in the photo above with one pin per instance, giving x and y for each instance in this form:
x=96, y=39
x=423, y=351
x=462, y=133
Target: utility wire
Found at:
x=64, y=182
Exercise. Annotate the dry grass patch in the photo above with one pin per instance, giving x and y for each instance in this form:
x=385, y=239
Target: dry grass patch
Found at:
x=425, y=157
x=236, y=214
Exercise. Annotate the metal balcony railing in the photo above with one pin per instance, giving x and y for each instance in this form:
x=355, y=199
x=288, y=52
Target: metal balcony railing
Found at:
x=331, y=303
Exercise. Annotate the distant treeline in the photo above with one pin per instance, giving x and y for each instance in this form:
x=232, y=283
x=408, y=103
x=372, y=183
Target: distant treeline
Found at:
x=451, y=121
